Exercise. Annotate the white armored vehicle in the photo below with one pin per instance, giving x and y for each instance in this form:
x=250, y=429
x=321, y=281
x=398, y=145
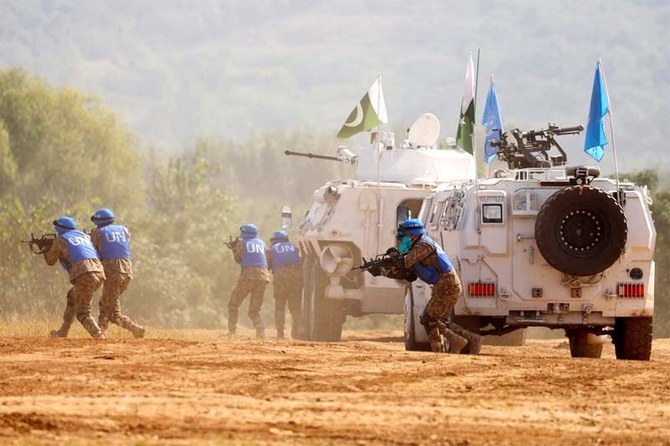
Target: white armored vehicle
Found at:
x=544, y=245
x=356, y=218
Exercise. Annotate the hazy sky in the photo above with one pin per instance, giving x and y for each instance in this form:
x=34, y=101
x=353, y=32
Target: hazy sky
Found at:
x=179, y=70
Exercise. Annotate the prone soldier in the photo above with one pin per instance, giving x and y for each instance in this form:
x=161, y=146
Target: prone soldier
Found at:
x=254, y=278
x=112, y=241
x=74, y=250
x=284, y=262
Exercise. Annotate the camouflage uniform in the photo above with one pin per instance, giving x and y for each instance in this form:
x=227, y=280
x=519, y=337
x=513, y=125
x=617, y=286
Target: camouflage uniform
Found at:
x=253, y=280
x=448, y=288
x=119, y=273
x=444, y=295
x=287, y=282
x=86, y=276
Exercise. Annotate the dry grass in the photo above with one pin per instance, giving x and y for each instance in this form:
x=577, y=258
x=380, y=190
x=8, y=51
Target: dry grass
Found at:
x=26, y=328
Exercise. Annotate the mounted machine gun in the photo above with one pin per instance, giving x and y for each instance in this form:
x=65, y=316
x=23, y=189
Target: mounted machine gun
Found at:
x=530, y=149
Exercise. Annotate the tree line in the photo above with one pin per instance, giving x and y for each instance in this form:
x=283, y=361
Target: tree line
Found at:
x=63, y=152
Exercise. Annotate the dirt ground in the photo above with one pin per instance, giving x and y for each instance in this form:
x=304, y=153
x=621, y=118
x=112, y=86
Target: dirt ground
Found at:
x=364, y=390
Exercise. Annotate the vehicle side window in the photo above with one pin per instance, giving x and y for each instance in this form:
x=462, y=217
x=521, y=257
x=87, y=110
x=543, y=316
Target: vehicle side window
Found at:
x=492, y=213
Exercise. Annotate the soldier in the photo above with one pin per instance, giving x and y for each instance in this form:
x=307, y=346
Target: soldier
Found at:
x=74, y=250
x=112, y=241
x=432, y=265
x=284, y=261
x=254, y=277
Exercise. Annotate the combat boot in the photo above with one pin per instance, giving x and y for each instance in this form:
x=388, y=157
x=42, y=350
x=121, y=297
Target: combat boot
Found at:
x=474, y=340
x=260, y=333
x=456, y=342
x=280, y=333
x=138, y=332
x=60, y=333
x=437, y=341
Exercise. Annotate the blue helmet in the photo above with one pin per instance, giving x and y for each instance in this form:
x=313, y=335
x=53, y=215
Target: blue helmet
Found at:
x=102, y=216
x=279, y=236
x=248, y=230
x=64, y=224
x=413, y=226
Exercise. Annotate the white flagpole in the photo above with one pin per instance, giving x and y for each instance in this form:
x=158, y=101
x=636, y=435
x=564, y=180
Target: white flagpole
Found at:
x=378, y=152
x=474, y=123
x=611, y=113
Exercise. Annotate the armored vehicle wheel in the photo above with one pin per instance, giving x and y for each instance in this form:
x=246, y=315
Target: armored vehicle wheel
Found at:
x=632, y=338
x=410, y=327
x=581, y=230
x=322, y=318
x=584, y=344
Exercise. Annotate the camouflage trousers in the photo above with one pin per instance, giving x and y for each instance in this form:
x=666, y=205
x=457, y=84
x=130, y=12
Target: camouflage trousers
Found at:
x=79, y=305
x=287, y=292
x=110, y=308
x=243, y=288
x=444, y=296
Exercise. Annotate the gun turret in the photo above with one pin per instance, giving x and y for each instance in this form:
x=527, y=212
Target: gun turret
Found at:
x=530, y=148
x=344, y=155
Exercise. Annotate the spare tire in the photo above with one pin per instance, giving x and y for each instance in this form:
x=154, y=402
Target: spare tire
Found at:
x=581, y=230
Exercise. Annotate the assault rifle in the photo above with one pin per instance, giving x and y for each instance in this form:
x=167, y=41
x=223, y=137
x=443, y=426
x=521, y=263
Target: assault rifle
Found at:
x=40, y=245
x=390, y=264
x=530, y=148
x=232, y=243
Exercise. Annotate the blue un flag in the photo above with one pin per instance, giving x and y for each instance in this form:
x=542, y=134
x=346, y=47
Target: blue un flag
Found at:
x=595, y=141
x=493, y=122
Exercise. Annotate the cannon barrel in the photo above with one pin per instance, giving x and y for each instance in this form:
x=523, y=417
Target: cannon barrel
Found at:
x=312, y=155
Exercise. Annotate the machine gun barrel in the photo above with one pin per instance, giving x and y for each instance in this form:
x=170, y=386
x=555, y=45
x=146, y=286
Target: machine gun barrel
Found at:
x=554, y=130
x=568, y=130
x=312, y=155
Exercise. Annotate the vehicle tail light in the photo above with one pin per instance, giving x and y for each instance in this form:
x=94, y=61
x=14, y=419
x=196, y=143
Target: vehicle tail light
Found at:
x=631, y=290
x=482, y=289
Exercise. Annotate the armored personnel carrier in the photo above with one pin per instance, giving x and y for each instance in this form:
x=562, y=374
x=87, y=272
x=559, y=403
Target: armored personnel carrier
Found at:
x=545, y=245
x=355, y=218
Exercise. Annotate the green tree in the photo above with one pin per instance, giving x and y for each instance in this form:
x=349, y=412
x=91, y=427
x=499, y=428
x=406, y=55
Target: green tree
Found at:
x=661, y=214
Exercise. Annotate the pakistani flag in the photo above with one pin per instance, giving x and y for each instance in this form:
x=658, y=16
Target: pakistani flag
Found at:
x=466, y=124
x=368, y=114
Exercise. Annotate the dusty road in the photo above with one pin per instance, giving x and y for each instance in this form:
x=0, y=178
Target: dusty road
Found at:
x=364, y=390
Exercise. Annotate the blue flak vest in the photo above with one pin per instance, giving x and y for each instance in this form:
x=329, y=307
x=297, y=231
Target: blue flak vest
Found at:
x=115, y=242
x=253, y=253
x=79, y=246
x=431, y=274
x=284, y=253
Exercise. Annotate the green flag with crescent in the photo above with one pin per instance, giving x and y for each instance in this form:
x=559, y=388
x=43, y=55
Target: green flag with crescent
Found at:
x=466, y=122
x=368, y=114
